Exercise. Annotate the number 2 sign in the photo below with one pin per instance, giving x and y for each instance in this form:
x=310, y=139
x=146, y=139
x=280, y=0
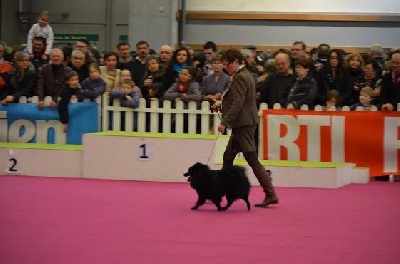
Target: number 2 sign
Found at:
x=12, y=164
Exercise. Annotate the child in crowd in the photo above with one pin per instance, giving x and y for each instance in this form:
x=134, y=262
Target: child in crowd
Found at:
x=365, y=99
x=332, y=100
x=186, y=88
x=94, y=85
x=71, y=90
x=153, y=79
x=128, y=97
x=44, y=30
x=125, y=75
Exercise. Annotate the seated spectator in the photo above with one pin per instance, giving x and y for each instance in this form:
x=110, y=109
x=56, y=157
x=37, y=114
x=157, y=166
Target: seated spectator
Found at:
x=334, y=77
x=126, y=75
x=44, y=30
x=93, y=86
x=365, y=99
x=78, y=64
x=109, y=72
x=52, y=78
x=186, y=88
x=38, y=49
x=304, y=90
x=126, y=95
x=5, y=75
x=390, y=91
x=70, y=90
x=278, y=83
x=354, y=65
x=152, y=86
x=24, y=78
x=215, y=84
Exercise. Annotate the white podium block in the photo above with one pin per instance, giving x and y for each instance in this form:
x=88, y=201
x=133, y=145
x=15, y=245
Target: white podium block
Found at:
x=47, y=160
x=144, y=156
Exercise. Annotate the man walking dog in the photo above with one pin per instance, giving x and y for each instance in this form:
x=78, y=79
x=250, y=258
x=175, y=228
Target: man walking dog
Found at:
x=239, y=112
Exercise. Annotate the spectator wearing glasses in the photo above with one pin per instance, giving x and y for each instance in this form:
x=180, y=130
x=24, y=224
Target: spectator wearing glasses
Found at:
x=84, y=46
x=24, y=78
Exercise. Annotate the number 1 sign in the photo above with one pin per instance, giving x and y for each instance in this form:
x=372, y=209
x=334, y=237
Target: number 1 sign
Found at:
x=144, y=151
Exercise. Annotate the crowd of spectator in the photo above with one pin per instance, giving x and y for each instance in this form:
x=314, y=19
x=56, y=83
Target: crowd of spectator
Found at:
x=290, y=77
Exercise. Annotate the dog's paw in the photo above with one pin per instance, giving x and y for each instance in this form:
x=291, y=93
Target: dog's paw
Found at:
x=194, y=207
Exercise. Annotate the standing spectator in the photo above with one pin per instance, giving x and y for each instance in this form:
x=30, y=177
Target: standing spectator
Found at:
x=165, y=55
x=214, y=85
x=371, y=70
x=139, y=63
x=84, y=46
x=38, y=49
x=364, y=100
x=186, y=88
x=109, y=71
x=334, y=77
x=5, y=75
x=210, y=51
x=179, y=60
x=125, y=59
x=304, y=90
x=277, y=83
x=44, y=30
x=78, y=64
x=298, y=51
x=51, y=78
x=71, y=90
x=354, y=65
x=390, y=91
x=152, y=86
x=93, y=86
x=24, y=78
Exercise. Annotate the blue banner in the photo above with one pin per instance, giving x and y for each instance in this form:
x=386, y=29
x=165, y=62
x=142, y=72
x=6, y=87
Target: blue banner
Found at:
x=24, y=122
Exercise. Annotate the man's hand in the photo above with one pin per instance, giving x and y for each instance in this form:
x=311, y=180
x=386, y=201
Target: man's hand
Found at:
x=216, y=107
x=41, y=105
x=221, y=128
x=387, y=107
x=52, y=104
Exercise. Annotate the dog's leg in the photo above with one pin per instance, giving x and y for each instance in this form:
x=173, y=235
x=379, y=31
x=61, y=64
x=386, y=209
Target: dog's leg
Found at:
x=246, y=199
x=217, y=202
x=228, y=204
x=200, y=201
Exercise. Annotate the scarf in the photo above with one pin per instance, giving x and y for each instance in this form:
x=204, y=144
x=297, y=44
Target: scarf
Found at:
x=179, y=67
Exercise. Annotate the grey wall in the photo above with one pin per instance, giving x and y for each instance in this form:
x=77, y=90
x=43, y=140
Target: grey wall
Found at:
x=285, y=33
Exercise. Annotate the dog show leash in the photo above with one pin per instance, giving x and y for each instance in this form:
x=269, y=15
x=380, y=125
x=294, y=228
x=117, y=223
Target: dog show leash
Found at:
x=213, y=147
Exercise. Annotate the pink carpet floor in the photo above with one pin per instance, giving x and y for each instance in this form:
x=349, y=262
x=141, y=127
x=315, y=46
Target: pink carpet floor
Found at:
x=73, y=221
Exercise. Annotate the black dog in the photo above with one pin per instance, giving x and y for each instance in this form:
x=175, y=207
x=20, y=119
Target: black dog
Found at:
x=212, y=185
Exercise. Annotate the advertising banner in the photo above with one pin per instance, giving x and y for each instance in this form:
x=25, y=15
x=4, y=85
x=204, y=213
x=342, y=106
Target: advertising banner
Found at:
x=25, y=123
x=368, y=139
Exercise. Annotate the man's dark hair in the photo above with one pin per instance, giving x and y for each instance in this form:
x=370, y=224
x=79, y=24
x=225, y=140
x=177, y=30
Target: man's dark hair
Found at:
x=123, y=43
x=141, y=42
x=299, y=42
x=231, y=55
x=210, y=45
x=84, y=41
